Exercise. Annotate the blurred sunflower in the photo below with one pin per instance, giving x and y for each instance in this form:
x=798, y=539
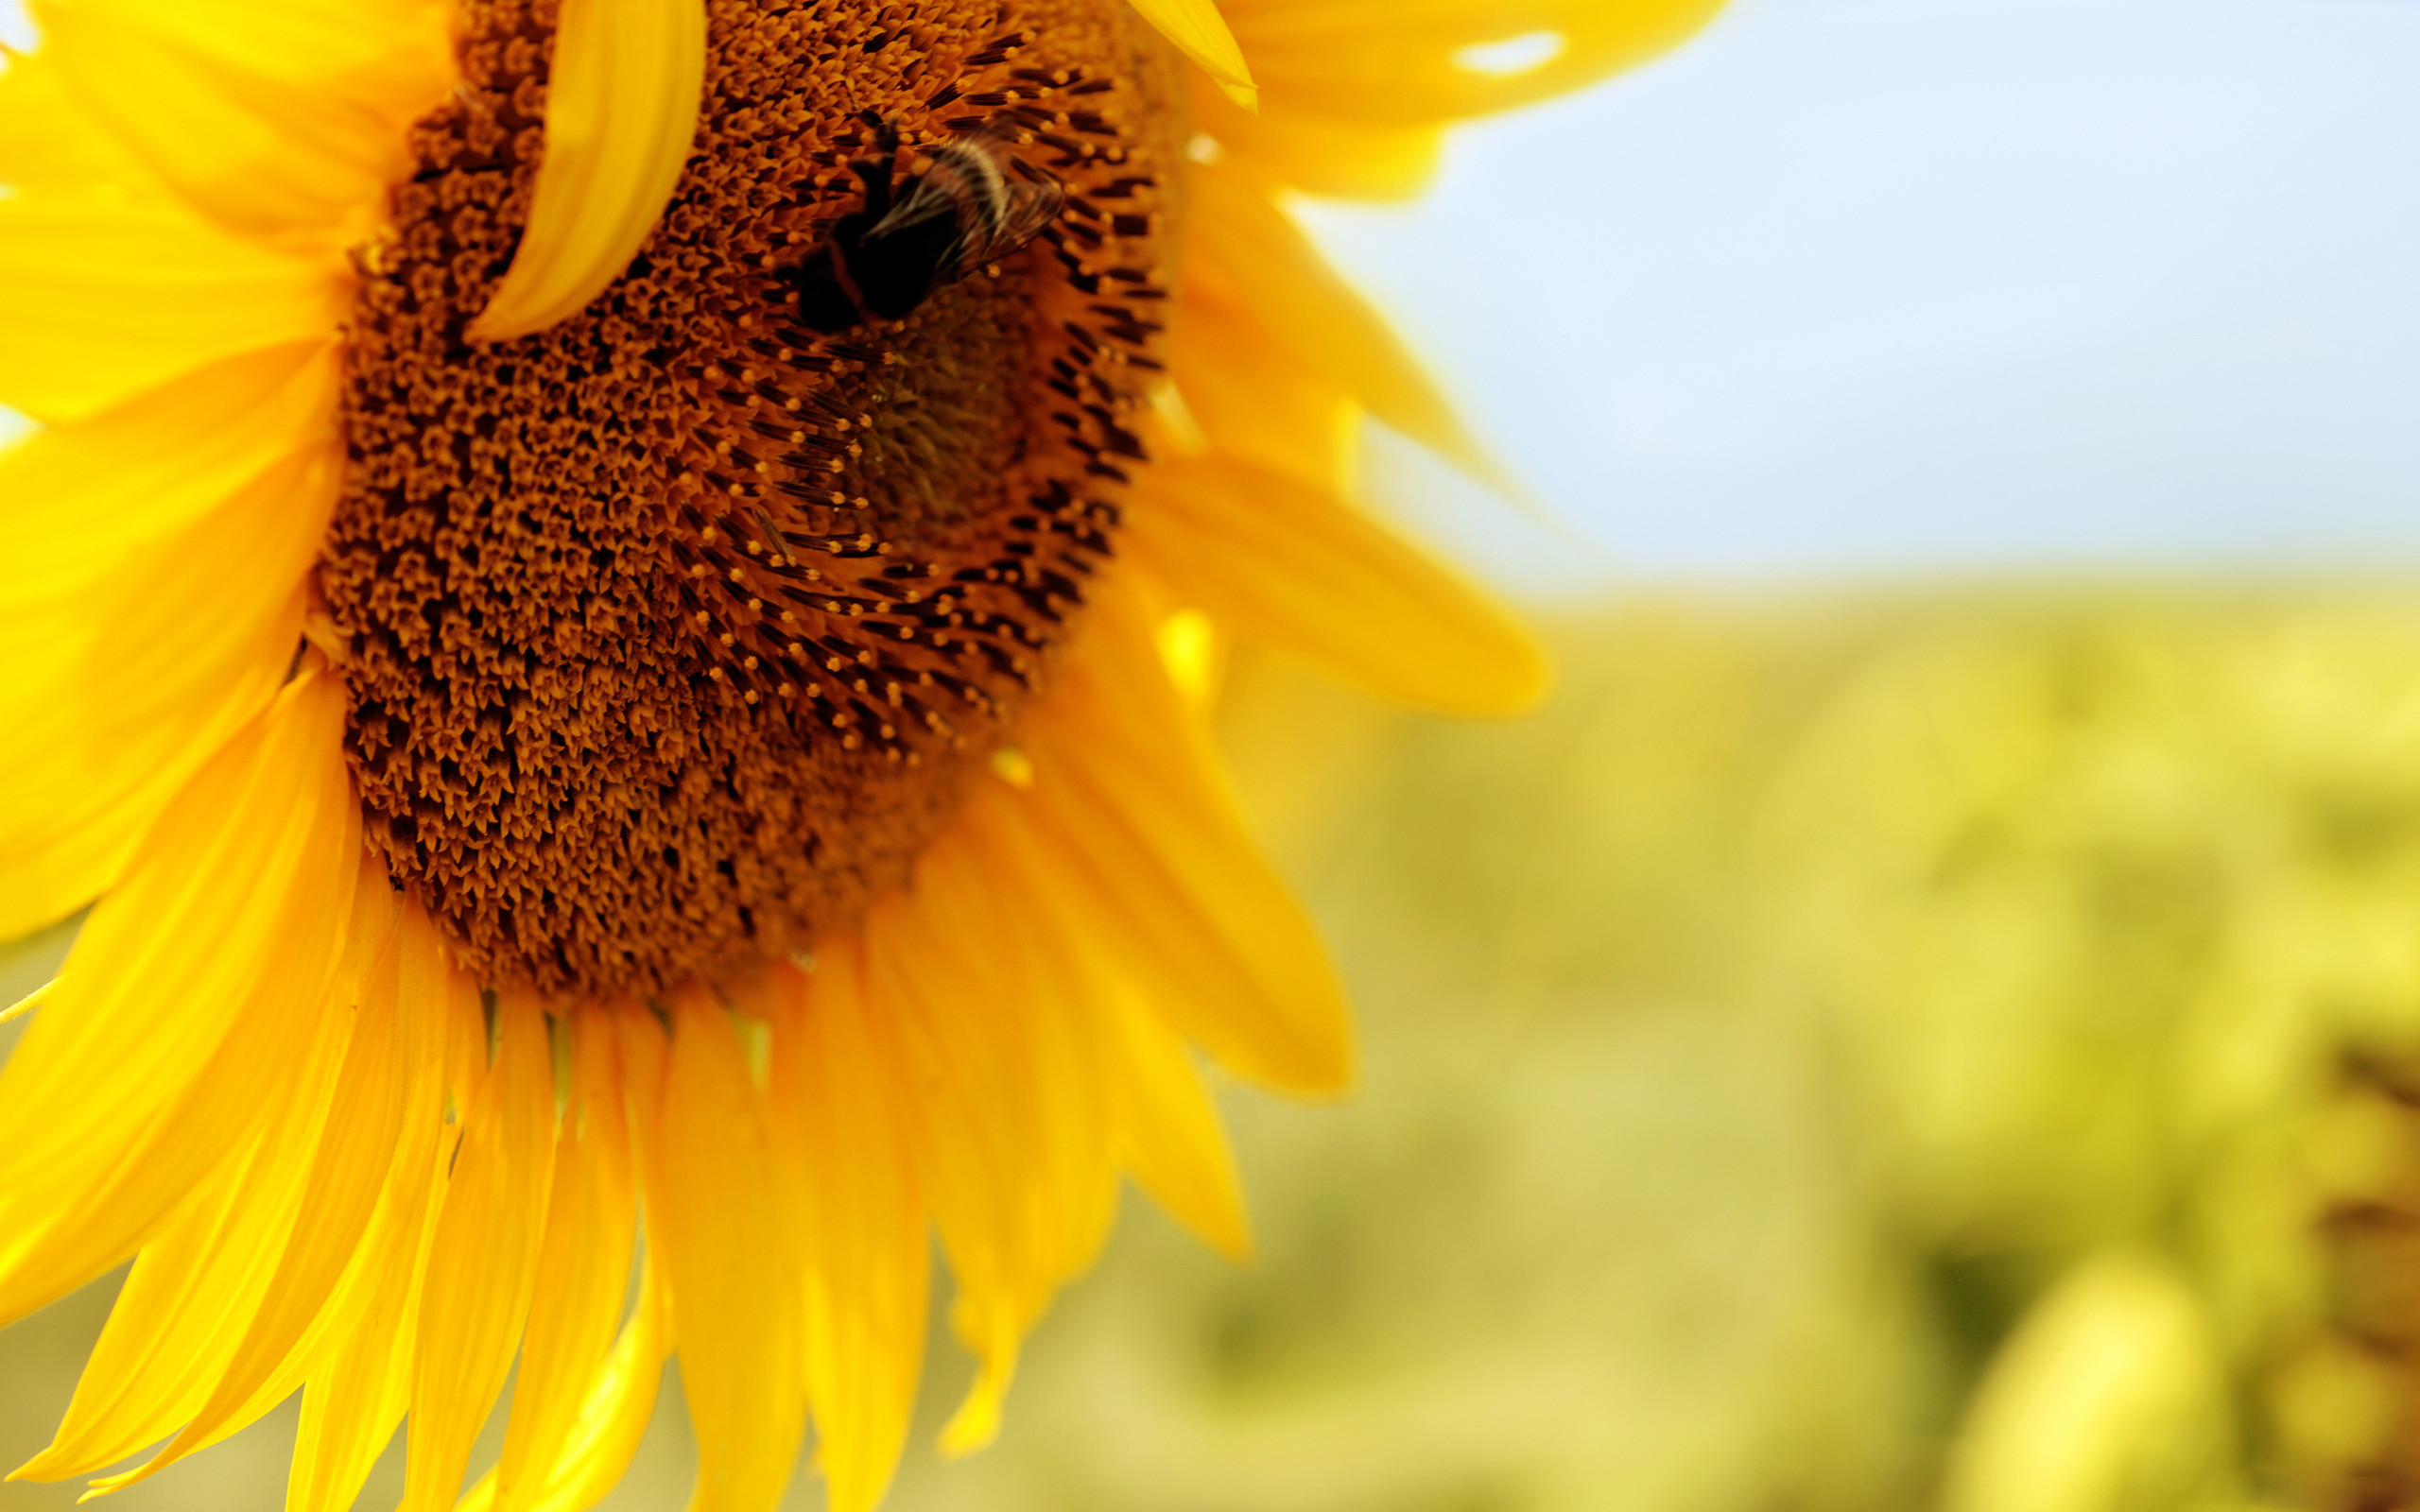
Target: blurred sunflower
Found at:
x=569, y=746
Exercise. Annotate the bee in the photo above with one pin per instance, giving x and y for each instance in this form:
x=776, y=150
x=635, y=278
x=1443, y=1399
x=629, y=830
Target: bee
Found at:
x=883, y=260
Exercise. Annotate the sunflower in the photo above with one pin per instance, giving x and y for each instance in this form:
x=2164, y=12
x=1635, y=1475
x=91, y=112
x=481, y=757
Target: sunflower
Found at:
x=616, y=801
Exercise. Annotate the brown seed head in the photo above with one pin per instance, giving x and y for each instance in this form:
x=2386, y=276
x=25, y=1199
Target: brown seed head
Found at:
x=672, y=630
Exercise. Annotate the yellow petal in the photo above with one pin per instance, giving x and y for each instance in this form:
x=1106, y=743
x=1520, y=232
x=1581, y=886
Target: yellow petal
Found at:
x=349, y=1414
x=1170, y=1135
x=48, y=142
x=1026, y=1017
x=1284, y=562
x=90, y=493
x=840, y=1109
x=189, y=998
x=261, y=156
x=132, y=658
x=482, y=1263
x=976, y=1145
x=1317, y=154
x=111, y=289
x=613, y=1418
x=1408, y=60
x=361, y=1372
x=125, y=1400
x=385, y=1111
x=583, y=1267
x=1247, y=264
x=357, y=1396
x=1160, y=1119
x=197, y=1295
x=709, y=1171
x=1251, y=401
x=995, y=1331
x=1132, y=820
x=1014, y=1152
x=350, y=46
x=1200, y=33
x=621, y=110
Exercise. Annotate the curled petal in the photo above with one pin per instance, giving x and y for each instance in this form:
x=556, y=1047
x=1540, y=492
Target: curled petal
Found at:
x=621, y=111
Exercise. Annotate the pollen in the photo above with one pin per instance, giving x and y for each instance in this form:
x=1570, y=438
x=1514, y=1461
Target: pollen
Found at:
x=596, y=587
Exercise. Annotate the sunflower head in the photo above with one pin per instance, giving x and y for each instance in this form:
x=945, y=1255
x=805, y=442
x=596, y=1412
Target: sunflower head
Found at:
x=688, y=623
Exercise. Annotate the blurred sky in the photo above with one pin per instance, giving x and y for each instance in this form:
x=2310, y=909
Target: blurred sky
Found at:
x=1879, y=288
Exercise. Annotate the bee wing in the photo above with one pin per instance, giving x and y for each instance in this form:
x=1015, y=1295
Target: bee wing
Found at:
x=925, y=201
x=1031, y=207
x=970, y=183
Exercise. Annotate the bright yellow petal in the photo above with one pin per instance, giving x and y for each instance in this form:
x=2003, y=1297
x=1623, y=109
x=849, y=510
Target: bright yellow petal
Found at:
x=583, y=1268
x=125, y=1397
x=1169, y=1132
x=613, y=1418
x=358, y=1395
x=46, y=140
x=1283, y=562
x=990, y=1324
x=1016, y=1156
x=1161, y=1120
x=1408, y=60
x=361, y=1373
x=386, y=1104
x=189, y=998
x=194, y=1301
x=1129, y=818
x=349, y=1414
x=88, y=494
x=1026, y=1016
x=305, y=162
x=976, y=1139
x=1243, y=398
x=107, y=290
x=483, y=1262
x=1317, y=154
x=708, y=1167
x=621, y=111
x=132, y=658
x=339, y=46
x=1200, y=33
x=841, y=1108
x=1248, y=264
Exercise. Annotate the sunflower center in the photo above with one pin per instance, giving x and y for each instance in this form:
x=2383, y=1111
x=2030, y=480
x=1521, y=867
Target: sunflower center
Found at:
x=672, y=631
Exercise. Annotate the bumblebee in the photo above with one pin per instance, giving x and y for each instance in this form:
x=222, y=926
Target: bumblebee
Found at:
x=910, y=238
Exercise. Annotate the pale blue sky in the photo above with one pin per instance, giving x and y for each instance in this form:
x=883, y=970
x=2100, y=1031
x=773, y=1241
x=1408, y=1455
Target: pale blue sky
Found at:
x=1875, y=287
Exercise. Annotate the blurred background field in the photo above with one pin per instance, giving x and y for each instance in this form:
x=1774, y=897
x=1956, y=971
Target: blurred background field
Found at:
x=1953, y=1049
